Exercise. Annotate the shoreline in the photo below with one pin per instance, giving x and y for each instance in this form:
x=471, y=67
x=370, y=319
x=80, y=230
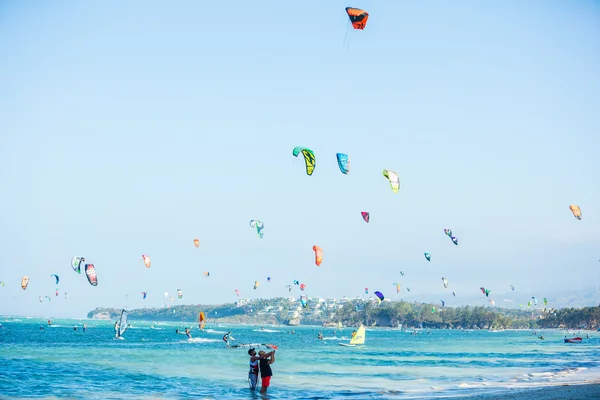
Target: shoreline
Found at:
x=562, y=391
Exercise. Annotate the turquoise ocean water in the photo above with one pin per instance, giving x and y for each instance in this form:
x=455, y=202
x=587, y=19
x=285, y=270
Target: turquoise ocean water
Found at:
x=155, y=362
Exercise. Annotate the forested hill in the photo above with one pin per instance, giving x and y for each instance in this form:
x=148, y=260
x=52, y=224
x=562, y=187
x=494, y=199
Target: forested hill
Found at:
x=359, y=311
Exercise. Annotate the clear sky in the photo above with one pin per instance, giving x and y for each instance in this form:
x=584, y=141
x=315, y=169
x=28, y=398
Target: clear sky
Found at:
x=130, y=128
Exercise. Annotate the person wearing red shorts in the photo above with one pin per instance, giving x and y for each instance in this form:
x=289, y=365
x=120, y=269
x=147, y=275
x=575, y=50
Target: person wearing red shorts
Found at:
x=265, y=369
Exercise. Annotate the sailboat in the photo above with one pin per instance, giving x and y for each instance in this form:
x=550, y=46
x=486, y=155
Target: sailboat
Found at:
x=358, y=339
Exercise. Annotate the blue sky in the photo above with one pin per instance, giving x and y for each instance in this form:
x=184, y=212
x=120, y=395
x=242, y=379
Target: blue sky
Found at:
x=133, y=128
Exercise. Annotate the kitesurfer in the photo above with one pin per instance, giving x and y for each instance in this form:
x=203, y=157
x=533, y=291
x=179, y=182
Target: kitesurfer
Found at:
x=74, y=327
x=84, y=327
x=265, y=369
x=226, y=338
x=320, y=336
x=187, y=332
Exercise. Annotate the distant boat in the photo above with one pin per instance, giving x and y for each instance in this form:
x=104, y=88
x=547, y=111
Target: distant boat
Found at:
x=358, y=339
x=573, y=340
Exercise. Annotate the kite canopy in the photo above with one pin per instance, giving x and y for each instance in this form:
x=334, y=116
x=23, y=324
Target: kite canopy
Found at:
x=358, y=17
x=259, y=227
x=393, y=178
x=309, y=158
x=24, y=282
x=343, y=163
x=428, y=256
x=197, y=242
x=55, y=277
x=576, y=211
x=76, y=263
x=90, y=272
x=147, y=261
x=379, y=295
x=365, y=216
x=318, y=255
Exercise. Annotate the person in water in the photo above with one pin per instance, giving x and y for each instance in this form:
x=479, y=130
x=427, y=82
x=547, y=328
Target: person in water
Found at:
x=266, y=359
x=226, y=338
x=74, y=328
x=254, y=368
x=320, y=336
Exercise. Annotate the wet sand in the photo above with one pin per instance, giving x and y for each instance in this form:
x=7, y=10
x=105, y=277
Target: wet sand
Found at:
x=573, y=391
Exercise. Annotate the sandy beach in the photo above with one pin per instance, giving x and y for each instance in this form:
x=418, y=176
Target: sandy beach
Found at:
x=573, y=391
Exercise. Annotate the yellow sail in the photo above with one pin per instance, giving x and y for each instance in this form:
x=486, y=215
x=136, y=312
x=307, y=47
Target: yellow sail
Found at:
x=359, y=337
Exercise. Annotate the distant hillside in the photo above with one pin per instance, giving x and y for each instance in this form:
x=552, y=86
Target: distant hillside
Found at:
x=359, y=311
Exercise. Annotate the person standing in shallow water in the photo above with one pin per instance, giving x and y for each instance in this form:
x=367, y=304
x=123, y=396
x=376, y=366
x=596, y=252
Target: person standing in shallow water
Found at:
x=266, y=359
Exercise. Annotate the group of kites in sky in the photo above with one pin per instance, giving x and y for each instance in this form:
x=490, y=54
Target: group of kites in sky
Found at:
x=358, y=18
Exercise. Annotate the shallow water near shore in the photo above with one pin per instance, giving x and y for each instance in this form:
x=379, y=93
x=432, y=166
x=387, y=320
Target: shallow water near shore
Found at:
x=155, y=362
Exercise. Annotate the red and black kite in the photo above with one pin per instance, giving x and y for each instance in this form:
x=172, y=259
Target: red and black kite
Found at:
x=358, y=17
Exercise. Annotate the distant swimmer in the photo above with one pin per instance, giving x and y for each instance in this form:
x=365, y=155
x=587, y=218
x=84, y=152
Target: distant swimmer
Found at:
x=320, y=336
x=74, y=327
x=41, y=328
x=541, y=337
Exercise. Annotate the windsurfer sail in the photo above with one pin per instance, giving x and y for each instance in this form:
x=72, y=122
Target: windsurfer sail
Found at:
x=122, y=324
x=358, y=338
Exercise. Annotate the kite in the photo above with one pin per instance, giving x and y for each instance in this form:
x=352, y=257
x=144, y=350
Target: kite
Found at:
x=309, y=158
x=259, y=227
x=367, y=290
x=147, y=261
x=318, y=255
x=358, y=17
x=445, y=282
x=76, y=264
x=206, y=274
x=55, y=277
x=197, y=242
x=365, y=216
x=24, y=282
x=302, y=286
x=428, y=256
x=343, y=163
x=393, y=178
x=90, y=272
x=256, y=284
x=303, y=300
x=179, y=294
x=379, y=296
x=576, y=211
x=144, y=294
